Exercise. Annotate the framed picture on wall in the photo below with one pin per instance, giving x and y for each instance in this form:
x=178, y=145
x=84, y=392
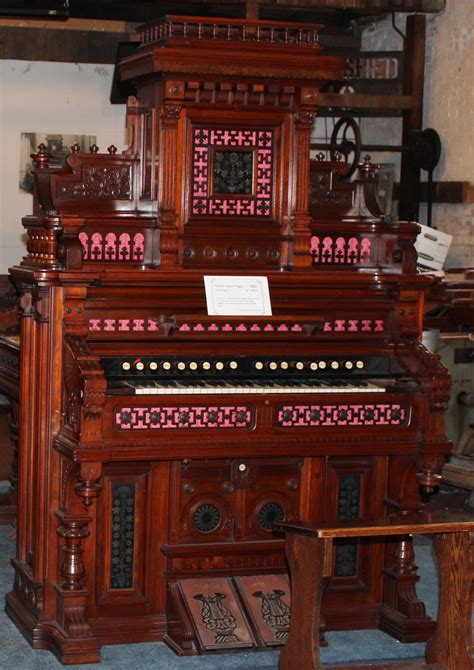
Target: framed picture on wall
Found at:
x=57, y=144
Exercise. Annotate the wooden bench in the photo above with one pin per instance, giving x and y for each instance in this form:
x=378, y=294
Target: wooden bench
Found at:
x=309, y=553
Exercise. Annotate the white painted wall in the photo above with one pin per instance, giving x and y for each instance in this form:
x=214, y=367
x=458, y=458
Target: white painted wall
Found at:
x=47, y=97
x=449, y=107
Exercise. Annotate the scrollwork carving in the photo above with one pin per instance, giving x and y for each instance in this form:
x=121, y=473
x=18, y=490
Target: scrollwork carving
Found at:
x=84, y=389
x=104, y=182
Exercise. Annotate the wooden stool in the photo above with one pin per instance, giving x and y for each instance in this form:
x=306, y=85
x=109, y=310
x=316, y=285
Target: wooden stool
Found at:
x=309, y=554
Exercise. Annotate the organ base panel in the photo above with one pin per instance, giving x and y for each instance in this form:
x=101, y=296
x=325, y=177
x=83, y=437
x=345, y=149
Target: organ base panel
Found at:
x=159, y=442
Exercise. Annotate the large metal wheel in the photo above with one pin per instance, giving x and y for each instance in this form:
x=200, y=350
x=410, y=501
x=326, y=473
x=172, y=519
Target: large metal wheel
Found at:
x=346, y=142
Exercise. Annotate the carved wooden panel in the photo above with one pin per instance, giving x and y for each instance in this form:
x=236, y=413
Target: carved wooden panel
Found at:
x=351, y=485
x=121, y=541
x=216, y=614
x=237, y=499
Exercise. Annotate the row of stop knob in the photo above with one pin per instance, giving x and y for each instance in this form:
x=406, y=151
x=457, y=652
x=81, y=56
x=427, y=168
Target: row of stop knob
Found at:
x=220, y=366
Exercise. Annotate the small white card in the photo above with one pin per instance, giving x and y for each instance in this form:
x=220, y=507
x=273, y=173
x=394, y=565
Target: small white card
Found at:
x=237, y=296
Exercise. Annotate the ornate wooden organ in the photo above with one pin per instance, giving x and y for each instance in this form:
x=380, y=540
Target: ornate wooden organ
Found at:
x=159, y=443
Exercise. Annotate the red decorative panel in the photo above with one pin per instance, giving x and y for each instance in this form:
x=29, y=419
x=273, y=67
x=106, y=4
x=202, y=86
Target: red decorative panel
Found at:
x=341, y=250
x=241, y=328
x=354, y=326
x=337, y=415
x=203, y=201
x=118, y=324
x=193, y=416
x=112, y=246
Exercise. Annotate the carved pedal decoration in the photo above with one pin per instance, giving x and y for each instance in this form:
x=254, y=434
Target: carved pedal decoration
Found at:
x=216, y=614
x=266, y=600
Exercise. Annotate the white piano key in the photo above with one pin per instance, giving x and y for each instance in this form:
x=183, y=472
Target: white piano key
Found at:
x=273, y=389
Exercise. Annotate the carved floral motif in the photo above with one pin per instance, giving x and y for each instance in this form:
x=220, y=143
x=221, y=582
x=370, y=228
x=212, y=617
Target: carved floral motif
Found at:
x=104, y=182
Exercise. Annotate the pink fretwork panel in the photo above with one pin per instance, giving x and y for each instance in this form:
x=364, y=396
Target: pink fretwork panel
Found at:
x=84, y=240
x=354, y=326
x=124, y=247
x=138, y=247
x=339, y=250
x=96, y=247
x=112, y=246
x=202, y=201
x=192, y=416
x=151, y=325
x=337, y=415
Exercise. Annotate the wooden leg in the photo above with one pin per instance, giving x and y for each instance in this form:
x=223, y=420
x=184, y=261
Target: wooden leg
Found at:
x=451, y=641
x=309, y=560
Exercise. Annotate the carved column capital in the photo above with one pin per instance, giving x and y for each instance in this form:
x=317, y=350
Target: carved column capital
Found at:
x=170, y=111
x=304, y=120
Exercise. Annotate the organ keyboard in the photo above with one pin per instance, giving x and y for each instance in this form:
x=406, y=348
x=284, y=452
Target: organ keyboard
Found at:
x=249, y=386
x=246, y=375
x=159, y=443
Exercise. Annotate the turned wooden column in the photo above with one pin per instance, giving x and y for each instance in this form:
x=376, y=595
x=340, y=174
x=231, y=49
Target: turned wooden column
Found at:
x=304, y=120
x=169, y=123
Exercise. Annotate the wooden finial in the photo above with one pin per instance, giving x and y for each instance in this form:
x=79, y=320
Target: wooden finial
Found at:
x=42, y=157
x=366, y=168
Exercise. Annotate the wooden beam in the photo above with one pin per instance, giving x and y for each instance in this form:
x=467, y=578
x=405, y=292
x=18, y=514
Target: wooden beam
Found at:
x=368, y=6
x=365, y=101
x=86, y=25
x=448, y=192
x=63, y=46
x=413, y=118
